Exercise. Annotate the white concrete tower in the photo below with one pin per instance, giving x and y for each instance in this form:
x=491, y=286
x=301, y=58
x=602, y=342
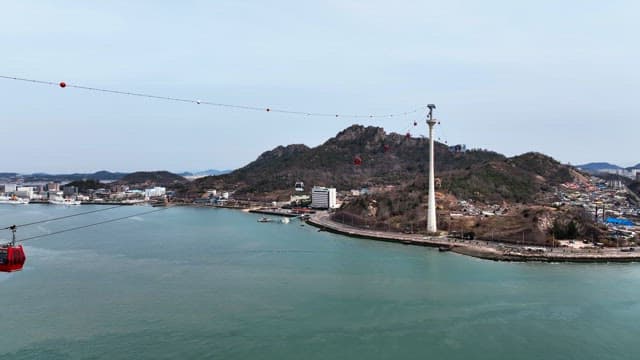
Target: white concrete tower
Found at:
x=431, y=211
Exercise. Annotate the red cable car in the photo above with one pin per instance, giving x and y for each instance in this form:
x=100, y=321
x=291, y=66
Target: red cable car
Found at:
x=357, y=161
x=12, y=257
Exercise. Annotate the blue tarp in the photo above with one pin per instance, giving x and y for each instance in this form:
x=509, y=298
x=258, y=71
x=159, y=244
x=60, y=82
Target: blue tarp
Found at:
x=619, y=221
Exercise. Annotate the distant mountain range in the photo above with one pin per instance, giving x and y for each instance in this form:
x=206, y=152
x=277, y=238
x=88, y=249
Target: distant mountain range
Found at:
x=602, y=166
x=42, y=177
x=210, y=172
x=102, y=175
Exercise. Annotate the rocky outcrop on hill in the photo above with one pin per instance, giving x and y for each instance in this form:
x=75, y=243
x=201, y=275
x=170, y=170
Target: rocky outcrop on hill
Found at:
x=393, y=159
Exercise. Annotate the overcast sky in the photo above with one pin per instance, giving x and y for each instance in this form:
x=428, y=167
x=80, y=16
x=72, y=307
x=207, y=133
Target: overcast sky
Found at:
x=557, y=77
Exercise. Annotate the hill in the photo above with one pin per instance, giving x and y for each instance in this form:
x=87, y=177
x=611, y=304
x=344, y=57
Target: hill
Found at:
x=521, y=179
x=395, y=160
x=7, y=176
x=99, y=175
x=85, y=185
x=153, y=178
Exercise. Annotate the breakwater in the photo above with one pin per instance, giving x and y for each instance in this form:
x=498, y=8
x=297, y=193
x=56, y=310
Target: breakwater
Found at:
x=479, y=248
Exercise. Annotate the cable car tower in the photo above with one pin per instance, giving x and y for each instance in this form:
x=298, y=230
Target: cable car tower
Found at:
x=431, y=209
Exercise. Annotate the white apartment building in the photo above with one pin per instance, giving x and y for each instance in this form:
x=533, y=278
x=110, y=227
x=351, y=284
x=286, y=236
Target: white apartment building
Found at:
x=10, y=188
x=25, y=192
x=323, y=198
x=155, y=192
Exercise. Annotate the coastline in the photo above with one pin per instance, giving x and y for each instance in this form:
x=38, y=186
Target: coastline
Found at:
x=477, y=248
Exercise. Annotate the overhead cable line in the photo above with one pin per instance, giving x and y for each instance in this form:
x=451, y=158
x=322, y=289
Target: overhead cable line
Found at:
x=90, y=225
x=210, y=103
x=62, y=217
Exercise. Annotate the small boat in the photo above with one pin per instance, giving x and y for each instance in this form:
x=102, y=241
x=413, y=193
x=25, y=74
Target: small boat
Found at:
x=444, y=248
x=264, y=220
x=284, y=220
x=63, y=201
x=13, y=200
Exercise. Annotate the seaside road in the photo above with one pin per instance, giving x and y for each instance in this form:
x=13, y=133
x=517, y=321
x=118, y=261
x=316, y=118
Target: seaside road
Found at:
x=490, y=250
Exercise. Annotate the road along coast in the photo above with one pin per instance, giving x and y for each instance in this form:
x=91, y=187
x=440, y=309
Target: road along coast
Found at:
x=482, y=249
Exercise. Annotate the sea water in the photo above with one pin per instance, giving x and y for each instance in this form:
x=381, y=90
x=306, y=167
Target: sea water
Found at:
x=194, y=283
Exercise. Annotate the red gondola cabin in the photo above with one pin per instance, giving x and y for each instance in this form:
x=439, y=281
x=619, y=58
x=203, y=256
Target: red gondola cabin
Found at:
x=11, y=258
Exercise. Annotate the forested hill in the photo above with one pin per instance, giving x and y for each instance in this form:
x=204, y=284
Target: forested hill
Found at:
x=159, y=178
x=367, y=156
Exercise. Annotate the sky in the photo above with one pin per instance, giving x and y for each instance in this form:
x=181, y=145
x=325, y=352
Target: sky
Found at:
x=560, y=78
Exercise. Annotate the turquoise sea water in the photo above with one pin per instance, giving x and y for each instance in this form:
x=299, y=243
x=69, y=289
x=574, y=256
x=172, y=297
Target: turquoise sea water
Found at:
x=193, y=283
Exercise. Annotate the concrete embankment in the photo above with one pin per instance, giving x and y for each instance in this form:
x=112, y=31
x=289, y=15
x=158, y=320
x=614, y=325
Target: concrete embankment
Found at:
x=323, y=222
x=479, y=249
x=273, y=212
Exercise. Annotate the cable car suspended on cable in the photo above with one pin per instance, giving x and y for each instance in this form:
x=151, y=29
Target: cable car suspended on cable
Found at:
x=357, y=161
x=12, y=257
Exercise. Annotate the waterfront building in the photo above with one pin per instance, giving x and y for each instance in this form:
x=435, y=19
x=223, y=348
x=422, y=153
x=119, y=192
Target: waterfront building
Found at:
x=53, y=186
x=298, y=198
x=25, y=192
x=119, y=188
x=323, y=198
x=134, y=193
x=155, y=192
x=69, y=191
x=10, y=188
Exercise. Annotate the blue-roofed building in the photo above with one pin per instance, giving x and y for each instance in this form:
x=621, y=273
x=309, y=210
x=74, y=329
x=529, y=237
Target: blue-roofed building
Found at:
x=619, y=221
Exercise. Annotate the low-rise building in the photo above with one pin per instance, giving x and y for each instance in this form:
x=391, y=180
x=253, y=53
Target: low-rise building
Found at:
x=25, y=192
x=69, y=191
x=155, y=192
x=53, y=186
x=10, y=188
x=296, y=199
